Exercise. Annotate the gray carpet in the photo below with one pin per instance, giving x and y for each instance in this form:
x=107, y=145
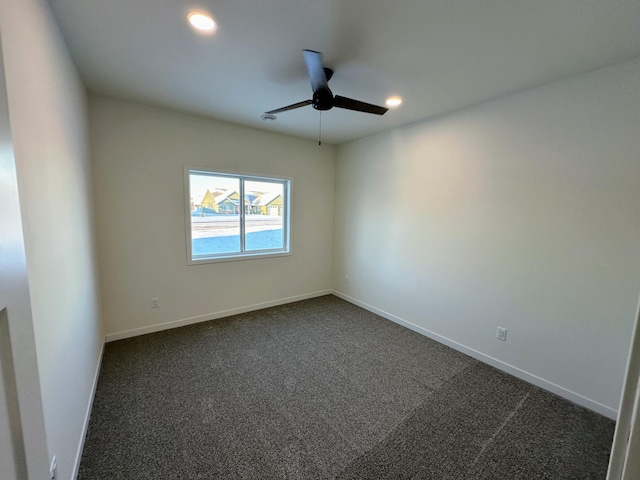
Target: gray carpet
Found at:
x=322, y=389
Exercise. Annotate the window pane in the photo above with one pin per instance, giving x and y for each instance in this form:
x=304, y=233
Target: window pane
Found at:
x=215, y=219
x=264, y=212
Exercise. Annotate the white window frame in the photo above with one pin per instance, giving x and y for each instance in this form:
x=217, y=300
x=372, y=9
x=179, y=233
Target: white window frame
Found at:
x=242, y=255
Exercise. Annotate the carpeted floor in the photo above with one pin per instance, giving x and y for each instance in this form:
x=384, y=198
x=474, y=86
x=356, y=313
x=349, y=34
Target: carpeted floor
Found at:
x=322, y=389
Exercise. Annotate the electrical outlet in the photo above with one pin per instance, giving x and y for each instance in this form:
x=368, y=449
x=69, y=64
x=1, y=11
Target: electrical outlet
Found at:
x=501, y=334
x=53, y=469
x=155, y=302
x=346, y=280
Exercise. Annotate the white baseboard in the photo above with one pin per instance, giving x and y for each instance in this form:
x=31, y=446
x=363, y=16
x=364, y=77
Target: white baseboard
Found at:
x=211, y=316
x=87, y=416
x=505, y=367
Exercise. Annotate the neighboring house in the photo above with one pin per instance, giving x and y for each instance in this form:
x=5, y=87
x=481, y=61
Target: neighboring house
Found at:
x=271, y=204
x=209, y=199
x=251, y=200
x=219, y=201
x=228, y=201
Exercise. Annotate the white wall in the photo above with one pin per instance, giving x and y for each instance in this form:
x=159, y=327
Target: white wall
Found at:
x=23, y=448
x=47, y=113
x=521, y=213
x=138, y=154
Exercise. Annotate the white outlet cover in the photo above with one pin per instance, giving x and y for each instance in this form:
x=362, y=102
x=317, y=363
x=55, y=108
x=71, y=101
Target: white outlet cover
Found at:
x=501, y=334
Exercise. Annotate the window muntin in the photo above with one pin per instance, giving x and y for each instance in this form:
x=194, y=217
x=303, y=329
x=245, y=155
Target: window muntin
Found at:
x=222, y=227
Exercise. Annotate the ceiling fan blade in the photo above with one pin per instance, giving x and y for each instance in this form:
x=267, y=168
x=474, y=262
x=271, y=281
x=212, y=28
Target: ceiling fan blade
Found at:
x=357, y=105
x=291, y=107
x=315, y=68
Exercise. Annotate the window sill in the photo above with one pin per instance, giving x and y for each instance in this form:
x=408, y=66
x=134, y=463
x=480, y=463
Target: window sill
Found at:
x=235, y=258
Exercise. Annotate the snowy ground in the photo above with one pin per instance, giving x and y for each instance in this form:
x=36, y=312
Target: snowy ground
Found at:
x=228, y=225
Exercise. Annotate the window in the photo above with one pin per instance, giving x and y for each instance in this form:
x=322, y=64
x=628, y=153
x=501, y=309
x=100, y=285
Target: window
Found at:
x=230, y=216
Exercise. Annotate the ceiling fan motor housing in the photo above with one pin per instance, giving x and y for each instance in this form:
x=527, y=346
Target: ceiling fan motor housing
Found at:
x=323, y=99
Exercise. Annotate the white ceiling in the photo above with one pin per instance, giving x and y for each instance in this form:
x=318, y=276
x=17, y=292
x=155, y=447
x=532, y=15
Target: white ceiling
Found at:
x=439, y=55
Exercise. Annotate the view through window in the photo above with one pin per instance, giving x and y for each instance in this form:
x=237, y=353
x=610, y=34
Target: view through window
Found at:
x=223, y=226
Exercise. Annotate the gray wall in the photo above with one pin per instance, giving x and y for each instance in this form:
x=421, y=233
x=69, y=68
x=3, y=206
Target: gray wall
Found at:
x=521, y=213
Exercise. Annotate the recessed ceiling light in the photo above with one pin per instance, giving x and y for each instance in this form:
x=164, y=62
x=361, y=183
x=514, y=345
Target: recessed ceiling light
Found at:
x=202, y=21
x=393, y=101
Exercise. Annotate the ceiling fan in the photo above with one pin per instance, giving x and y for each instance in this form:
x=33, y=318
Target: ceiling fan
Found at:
x=323, y=98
